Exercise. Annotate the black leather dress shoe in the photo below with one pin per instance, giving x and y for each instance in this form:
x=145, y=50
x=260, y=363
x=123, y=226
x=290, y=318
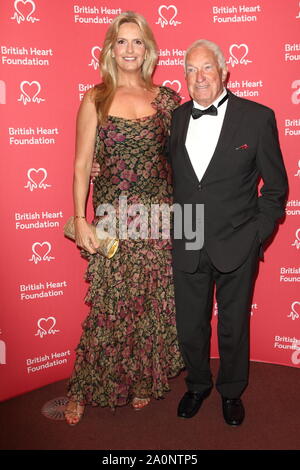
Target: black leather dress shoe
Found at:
x=233, y=411
x=190, y=403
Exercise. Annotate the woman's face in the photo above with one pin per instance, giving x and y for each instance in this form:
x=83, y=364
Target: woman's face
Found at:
x=129, y=49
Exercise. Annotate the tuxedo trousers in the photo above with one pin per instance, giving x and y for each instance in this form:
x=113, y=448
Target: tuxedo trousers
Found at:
x=194, y=303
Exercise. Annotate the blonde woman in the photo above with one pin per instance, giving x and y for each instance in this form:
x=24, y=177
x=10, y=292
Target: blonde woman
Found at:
x=128, y=349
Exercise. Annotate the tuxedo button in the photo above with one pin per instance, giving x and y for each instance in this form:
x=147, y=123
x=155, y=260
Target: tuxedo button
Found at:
x=199, y=186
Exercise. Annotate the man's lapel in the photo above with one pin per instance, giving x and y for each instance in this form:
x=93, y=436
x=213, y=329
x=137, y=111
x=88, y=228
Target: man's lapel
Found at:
x=184, y=121
x=182, y=133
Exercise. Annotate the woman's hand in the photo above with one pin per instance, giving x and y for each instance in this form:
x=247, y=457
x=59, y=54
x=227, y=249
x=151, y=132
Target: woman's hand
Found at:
x=84, y=236
x=95, y=170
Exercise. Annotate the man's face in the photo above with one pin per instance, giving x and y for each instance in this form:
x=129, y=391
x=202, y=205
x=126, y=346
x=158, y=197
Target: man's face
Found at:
x=205, y=79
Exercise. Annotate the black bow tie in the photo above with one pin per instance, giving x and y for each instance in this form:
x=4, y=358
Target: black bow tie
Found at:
x=212, y=110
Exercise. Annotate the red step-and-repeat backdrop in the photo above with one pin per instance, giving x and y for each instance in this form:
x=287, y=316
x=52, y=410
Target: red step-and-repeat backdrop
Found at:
x=49, y=57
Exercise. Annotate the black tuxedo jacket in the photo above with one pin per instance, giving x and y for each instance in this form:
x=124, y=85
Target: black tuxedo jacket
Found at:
x=234, y=214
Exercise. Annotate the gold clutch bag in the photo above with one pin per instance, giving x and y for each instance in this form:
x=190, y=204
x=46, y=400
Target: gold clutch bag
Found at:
x=108, y=245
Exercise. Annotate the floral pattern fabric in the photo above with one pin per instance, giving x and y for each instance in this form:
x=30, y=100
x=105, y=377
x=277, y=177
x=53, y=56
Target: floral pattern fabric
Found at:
x=129, y=343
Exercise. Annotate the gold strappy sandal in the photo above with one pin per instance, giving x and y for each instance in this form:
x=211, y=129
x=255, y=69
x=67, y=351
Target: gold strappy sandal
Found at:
x=139, y=403
x=73, y=412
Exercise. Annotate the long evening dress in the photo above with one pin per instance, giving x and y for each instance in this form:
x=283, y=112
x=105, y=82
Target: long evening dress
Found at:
x=129, y=347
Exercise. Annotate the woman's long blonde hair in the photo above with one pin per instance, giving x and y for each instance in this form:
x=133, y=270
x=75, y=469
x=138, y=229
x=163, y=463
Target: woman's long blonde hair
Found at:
x=104, y=92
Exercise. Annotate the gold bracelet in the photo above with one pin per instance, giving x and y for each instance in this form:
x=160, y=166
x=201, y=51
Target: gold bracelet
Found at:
x=79, y=217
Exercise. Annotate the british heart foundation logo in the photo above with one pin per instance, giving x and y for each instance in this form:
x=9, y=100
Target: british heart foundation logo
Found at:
x=46, y=327
x=30, y=92
x=296, y=243
x=238, y=54
x=95, y=52
x=167, y=15
x=295, y=311
x=41, y=252
x=36, y=179
x=24, y=11
x=174, y=84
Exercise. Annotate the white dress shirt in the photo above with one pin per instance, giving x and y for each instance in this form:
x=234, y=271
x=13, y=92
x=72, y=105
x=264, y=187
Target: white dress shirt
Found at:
x=203, y=134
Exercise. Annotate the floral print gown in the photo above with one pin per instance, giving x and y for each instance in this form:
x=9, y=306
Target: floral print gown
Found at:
x=129, y=343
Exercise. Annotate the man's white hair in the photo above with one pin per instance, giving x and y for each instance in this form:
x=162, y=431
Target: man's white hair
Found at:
x=210, y=45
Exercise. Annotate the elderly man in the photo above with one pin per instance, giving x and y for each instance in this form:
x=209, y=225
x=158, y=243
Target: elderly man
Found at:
x=220, y=145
